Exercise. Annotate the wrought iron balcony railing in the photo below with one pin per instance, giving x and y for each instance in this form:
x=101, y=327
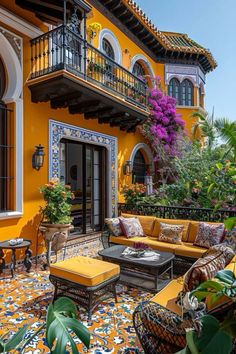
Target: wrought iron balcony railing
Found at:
x=62, y=49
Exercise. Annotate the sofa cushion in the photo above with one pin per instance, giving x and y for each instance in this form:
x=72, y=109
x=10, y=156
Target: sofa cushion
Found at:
x=84, y=270
x=114, y=226
x=203, y=269
x=188, y=249
x=157, y=226
x=152, y=242
x=193, y=229
x=147, y=222
x=232, y=265
x=171, y=233
x=209, y=235
x=131, y=227
x=167, y=296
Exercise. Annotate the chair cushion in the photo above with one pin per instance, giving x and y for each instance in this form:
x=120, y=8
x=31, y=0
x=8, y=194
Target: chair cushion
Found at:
x=167, y=296
x=209, y=235
x=84, y=270
x=147, y=222
x=203, y=269
x=157, y=226
x=131, y=227
x=188, y=249
x=230, y=239
x=171, y=233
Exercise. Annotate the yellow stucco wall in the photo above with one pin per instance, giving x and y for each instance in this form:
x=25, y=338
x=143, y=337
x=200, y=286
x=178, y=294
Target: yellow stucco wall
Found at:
x=36, y=118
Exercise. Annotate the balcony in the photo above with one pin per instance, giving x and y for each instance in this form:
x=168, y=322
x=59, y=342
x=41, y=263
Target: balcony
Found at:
x=69, y=72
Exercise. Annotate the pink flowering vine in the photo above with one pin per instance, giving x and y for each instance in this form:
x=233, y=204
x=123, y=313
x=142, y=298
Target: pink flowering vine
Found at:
x=164, y=128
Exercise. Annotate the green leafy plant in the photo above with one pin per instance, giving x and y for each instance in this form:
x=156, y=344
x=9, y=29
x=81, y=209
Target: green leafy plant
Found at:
x=61, y=320
x=214, y=336
x=58, y=202
x=134, y=193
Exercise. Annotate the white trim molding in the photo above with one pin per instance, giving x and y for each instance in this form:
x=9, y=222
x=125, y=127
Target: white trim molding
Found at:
x=144, y=61
x=17, y=23
x=147, y=150
x=109, y=35
x=11, y=51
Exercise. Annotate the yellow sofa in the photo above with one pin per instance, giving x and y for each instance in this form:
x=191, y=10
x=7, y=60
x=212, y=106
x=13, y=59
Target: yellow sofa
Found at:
x=151, y=227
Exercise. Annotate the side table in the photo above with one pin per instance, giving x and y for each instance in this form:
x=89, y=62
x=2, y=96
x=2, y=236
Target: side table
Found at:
x=5, y=245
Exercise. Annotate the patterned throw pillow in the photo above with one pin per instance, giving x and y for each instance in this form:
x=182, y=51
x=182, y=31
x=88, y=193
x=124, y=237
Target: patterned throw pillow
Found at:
x=131, y=227
x=209, y=235
x=203, y=269
x=114, y=226
x=171, y=233
x=230, y=239
x=221, y=248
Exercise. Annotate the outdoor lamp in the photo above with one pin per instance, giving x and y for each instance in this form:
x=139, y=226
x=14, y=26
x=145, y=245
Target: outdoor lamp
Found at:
x=128, y=168
x=38, y=157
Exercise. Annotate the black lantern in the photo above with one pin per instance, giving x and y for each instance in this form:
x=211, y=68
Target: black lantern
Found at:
x=128, y=168
x=38, y=157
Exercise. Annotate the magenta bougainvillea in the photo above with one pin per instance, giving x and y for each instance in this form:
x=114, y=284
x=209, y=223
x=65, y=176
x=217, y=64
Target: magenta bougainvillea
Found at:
x=164, y=128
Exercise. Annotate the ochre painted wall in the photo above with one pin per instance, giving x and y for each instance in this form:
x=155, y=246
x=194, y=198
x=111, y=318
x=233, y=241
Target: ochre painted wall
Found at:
x=36, y=118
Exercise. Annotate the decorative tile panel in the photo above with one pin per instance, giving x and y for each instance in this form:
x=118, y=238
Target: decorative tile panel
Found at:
x=181, y=72
x=59, y=130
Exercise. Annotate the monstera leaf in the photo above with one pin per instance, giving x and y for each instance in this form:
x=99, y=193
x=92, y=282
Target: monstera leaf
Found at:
x=14, y=341
x=215, y=337
x=61, y=317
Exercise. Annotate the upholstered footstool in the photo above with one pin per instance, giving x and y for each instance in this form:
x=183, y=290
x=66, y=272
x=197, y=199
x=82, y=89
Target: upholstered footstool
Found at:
x=85, y=280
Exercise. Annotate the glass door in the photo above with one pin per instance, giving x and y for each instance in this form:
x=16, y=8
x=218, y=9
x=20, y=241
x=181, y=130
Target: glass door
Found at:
x=82, y=166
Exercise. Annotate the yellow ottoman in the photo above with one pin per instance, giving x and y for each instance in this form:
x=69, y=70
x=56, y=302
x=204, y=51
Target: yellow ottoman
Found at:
x=85, y=280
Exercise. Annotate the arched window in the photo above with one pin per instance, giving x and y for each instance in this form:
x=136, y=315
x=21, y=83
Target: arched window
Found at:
x=174, y=90
x=108, y=49
x=139, y=168
x=186, y=93
x=138, y=70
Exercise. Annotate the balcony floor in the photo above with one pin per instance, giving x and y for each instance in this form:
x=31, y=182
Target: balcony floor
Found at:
x=25, y=298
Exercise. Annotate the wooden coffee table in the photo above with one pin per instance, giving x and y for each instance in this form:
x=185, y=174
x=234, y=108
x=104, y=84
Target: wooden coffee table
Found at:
x=141, y=273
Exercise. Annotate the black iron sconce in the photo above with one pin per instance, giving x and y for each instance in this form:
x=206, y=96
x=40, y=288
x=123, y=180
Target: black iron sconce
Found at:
x=128, y=168
x=38, y=157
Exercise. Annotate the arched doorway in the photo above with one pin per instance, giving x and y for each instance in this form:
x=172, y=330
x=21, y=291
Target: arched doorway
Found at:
x=139, y=168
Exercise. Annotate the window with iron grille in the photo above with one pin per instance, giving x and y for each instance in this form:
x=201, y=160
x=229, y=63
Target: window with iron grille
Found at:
x=138, y=70
x=187, y=93
x=174, y=90
x=182, y=92
x=107, y=48
x=6, y=149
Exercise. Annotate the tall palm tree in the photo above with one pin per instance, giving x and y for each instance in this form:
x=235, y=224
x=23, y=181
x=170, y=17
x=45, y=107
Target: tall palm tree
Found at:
x=227, y=132
x=205, y=125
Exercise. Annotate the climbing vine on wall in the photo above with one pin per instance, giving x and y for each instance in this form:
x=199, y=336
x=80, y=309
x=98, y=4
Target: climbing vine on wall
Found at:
x=164, y=128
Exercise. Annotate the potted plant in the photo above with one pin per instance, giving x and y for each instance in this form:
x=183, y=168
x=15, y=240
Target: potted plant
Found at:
x=56, y=221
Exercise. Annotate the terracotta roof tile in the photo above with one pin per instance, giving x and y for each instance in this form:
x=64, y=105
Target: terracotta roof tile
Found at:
x=171, y=40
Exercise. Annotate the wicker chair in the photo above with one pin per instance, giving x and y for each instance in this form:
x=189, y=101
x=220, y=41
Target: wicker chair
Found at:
x=160, y=331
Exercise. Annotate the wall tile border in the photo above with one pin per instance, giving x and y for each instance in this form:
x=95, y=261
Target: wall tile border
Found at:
x=59, y=130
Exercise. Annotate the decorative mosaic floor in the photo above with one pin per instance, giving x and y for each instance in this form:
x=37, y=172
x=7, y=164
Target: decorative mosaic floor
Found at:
x=25, y=299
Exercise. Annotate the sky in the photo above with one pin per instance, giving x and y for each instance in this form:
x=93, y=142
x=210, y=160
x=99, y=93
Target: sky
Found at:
x=211, y=23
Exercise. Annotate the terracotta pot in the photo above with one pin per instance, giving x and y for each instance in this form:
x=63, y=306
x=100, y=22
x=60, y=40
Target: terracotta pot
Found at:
x=55, y=235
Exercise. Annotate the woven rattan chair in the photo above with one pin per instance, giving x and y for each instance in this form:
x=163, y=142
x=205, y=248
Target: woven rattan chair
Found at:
x=160, y=331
